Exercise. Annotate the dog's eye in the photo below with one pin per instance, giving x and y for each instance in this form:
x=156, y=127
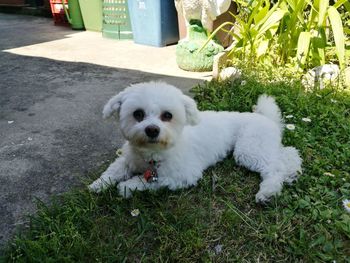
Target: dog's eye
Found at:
x=166, y=116
x=139, y=115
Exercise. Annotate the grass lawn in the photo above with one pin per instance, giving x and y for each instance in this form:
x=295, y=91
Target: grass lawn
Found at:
x=217, y=221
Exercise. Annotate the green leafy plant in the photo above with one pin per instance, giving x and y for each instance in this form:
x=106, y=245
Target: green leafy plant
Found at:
x=300, y=33
x=308, y=30
x=254, y=28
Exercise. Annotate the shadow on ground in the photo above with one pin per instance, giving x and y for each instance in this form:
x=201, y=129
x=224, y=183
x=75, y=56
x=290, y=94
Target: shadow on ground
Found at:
x=51, y=129
x=20, y=30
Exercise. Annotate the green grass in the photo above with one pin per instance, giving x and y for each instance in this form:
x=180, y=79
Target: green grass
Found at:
x=307, y=223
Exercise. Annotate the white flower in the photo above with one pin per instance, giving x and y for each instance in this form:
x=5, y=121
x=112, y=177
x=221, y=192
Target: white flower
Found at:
x=290, y=127
x=346, y=204
x=10, y=122
x=218, y=249
x=334, y=101
x=306, y=119
x=328, y=174
x=289, y=116
x=243, y=82
x=135, y=212
x=119, y=152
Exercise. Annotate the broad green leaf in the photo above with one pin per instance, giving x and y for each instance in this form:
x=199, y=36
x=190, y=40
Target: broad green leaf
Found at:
x=322, y=12
x=271, y=11
x=303, y=47
x=292, y=4
x=319, y=44
x=297, y=16
x=262, y=13
x=254, y=11
x=271, y=21
x=347, y=6
x=300, y=9
x=340, y=3
x=338, y=34
x=261, y=50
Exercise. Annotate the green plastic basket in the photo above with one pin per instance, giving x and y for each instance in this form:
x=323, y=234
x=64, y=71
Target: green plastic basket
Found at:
x=116, y=20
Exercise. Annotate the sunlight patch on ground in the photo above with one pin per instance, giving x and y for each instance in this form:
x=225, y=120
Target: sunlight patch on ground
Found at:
x=91, y=47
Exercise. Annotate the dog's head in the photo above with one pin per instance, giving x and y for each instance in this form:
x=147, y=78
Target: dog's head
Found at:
x=153, y=114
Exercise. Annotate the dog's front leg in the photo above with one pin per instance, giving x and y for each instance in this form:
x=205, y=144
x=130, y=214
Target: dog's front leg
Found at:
x=135, y=183
x=116, y=172
x=138, y=183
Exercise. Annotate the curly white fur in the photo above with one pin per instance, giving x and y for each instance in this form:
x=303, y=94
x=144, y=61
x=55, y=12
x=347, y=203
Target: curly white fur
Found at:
x=192, y=141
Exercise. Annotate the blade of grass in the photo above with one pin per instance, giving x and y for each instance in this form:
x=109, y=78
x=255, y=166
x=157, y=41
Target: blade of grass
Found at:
x=340, y=3
x=214, y=33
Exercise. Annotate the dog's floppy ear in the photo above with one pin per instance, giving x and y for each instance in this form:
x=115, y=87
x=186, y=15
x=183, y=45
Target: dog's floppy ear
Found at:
x=113, y=105
x=192, y=113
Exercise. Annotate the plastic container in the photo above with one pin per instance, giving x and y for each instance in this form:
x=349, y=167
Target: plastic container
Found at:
x=154, y=22
x=91, y=11
x=59, y=17
x=73, y=14
x=116, y=20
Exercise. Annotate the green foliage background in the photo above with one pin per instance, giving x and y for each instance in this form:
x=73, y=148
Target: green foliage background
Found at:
x=299, y=34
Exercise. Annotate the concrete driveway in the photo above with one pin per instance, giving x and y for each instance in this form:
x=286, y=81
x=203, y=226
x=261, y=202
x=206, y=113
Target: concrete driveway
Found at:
x=53, y=85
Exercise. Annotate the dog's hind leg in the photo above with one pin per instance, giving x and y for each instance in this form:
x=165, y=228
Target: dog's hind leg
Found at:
x=262, y=156
x=275, y=167
x=271, y=174
x=286, y=170
x=271, y=185
x=292, y=163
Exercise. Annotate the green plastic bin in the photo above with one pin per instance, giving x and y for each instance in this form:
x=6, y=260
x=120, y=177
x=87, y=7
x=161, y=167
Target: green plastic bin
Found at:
x=73, y=14
x=91, y=11
x=116, y=20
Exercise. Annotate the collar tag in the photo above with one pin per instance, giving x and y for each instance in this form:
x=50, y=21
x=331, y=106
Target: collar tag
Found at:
x=151, y=174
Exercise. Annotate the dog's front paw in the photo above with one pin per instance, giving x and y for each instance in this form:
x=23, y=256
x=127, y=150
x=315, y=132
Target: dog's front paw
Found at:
x=261, y=198
x=264, y=195
x=126, y=188
x=268, y=189
x=97, y=186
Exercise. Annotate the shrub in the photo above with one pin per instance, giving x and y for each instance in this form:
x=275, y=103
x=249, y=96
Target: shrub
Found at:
x=297, y=33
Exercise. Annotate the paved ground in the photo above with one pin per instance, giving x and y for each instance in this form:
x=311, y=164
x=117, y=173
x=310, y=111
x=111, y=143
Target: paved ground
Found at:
x=53, y=85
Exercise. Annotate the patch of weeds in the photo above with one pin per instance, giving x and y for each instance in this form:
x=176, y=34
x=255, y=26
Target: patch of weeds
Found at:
x=218, y=220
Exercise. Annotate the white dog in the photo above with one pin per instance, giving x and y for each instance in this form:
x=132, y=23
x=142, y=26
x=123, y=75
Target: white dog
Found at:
x=170, y=143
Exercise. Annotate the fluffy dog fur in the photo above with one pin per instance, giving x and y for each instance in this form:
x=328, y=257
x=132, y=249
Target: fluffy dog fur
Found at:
x=192, y=141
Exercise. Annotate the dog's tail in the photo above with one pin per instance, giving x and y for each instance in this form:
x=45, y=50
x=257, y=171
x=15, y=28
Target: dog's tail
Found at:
x=267, y=106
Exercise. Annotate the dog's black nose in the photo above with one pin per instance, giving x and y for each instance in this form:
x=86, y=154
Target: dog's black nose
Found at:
x=152, y=131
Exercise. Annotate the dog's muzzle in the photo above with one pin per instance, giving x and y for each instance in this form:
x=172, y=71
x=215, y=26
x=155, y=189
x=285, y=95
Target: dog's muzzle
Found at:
x=152, y=131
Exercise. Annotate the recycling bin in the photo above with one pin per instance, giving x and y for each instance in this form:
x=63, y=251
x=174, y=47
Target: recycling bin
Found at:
x=154, y=22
